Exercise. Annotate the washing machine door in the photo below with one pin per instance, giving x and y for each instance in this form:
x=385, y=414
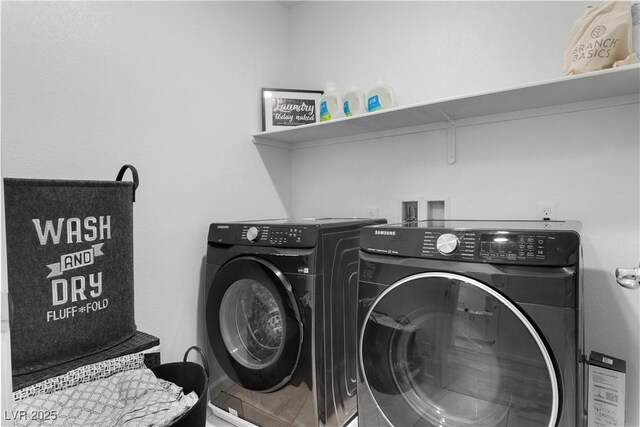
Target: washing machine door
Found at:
x=441, y=349
x=253, y=324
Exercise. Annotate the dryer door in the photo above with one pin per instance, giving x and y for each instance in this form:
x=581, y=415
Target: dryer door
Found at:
x=436, y=349
x=253, y=324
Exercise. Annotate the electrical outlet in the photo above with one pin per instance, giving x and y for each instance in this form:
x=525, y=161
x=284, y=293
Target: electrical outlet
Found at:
x=373, y=212
x=547, y=210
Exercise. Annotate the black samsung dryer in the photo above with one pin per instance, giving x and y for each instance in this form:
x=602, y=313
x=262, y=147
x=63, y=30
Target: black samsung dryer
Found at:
x=471, y=323
x=280, y=314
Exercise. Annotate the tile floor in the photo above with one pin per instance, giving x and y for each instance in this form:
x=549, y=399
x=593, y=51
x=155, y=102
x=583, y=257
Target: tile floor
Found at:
x=215, y=421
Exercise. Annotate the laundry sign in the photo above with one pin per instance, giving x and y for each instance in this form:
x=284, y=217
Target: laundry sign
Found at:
x=69, y=268
x=285, y=108
x=293, y=112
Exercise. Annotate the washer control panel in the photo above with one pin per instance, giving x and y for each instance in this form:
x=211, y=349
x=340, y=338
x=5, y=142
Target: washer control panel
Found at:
x=280, y=236
x=267, y=235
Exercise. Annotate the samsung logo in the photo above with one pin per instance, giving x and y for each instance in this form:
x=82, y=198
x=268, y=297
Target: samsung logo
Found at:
x=386, y=232
x=223, y=227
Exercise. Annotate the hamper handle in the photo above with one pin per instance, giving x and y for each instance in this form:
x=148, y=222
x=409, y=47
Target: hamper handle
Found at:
x=134, y=174
x=202, y=356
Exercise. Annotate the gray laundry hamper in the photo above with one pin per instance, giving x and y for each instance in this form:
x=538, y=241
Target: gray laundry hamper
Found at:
x=69, y=268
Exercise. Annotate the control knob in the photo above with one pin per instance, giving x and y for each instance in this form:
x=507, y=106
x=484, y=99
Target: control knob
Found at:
x=447, y=243
x=252, y=234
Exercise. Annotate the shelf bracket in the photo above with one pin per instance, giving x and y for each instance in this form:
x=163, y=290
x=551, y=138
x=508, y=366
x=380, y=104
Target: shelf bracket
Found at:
x=451, y=139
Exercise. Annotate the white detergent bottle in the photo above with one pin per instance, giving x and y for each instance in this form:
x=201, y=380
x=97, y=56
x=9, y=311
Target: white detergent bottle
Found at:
x=330, y=103
x=353, y=102
x=380, y=97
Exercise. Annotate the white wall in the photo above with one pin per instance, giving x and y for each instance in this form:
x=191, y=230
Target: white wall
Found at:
x=586, y=161
x=429, y=50
x=170, y=87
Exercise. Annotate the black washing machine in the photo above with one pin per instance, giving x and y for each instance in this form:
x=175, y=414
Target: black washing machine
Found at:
x=280, y=313
x=471, y=323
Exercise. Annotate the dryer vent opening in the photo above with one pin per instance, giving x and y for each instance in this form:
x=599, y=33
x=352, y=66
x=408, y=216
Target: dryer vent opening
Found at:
x=435, y=209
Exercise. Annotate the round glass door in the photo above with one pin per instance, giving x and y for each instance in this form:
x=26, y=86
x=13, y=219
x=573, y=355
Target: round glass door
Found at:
x=440, y=349
x=253, y=324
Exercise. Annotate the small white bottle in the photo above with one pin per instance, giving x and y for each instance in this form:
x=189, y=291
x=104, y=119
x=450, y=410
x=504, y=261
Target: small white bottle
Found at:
x=380, y=97
x=354, y=102
x=330, y=103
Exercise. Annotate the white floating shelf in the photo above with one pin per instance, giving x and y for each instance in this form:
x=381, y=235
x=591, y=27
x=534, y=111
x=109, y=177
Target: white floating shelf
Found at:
x=580, y=88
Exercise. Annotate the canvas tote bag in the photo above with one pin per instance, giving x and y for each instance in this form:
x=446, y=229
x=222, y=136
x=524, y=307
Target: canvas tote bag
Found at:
x=69, y=268
x=600, y=39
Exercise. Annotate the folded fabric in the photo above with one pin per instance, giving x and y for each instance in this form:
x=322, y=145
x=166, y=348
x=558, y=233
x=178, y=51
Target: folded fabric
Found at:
x=83, y=374
x=132, y=398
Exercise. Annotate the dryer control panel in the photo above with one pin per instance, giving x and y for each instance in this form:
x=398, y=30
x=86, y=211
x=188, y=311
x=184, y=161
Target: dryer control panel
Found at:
x=513, y=246
x=461, y=245
x=496, y=246
x=500, y=245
